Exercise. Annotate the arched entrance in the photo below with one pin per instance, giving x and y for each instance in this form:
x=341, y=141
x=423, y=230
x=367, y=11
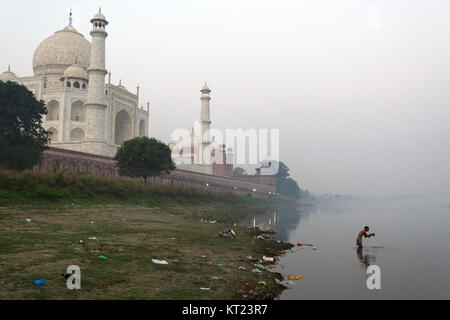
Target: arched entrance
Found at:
x=53, y=135
x=76, y=135
x=142, y=128
x=78, y=111
x=122, y=131
x=53, y=111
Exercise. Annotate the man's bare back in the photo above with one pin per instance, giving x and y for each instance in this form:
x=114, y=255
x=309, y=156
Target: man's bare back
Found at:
x=364, y=233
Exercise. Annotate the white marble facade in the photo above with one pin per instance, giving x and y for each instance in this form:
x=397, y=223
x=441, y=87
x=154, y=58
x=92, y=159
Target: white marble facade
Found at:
x=85, y=112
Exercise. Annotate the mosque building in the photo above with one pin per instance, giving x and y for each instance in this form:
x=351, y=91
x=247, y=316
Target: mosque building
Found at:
x=85, y=113
x=201, y=152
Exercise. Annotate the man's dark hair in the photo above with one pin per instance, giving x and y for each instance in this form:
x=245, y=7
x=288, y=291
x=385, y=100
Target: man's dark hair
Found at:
x=366, y=228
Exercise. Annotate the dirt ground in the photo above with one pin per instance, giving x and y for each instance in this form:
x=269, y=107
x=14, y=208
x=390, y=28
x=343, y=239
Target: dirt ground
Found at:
x=129, y=237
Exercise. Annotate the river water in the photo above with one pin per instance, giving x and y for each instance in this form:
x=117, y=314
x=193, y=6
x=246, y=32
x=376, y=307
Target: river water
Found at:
x=411, y=248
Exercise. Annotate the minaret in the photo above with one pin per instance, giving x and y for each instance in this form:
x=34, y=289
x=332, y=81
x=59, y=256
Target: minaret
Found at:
x=96, y=100
x=205, y=118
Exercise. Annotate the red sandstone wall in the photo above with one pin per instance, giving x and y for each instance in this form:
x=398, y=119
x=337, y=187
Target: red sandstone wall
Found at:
x=72, y=162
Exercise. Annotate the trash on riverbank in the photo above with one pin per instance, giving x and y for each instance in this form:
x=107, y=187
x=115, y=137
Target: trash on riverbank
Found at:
x=93, y=238
x=264, y=228
x=228, y=234
x=256, y=271
x=295, y=278
x=268, y=259
x=40, y=282
x=263, y=283
x=103, y=257
x=29, y=220
x=260, y=266
x=160, y=262
x=205, y=289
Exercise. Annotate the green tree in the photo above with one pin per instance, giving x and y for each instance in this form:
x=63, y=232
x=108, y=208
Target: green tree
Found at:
x=22, y=137
x=285, y=184
x=144, y=157
x=239, y=172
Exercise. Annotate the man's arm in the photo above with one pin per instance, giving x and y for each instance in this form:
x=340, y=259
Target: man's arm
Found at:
x=369, y=235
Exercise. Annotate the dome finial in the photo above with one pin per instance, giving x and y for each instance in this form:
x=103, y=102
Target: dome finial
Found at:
x=9, y=68
x=70, y=17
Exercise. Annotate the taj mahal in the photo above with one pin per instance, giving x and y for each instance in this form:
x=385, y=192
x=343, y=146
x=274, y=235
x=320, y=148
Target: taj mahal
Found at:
x=85, y=113
x=89, y=114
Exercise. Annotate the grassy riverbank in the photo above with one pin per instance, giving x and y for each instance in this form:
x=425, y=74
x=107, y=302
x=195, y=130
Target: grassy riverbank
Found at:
x=132, y=224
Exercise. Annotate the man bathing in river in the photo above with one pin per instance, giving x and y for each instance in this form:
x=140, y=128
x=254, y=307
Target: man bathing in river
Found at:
x=363, y=233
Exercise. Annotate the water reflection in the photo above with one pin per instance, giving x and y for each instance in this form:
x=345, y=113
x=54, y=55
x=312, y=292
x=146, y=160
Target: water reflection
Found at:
x=366, y=257
x=283, y=221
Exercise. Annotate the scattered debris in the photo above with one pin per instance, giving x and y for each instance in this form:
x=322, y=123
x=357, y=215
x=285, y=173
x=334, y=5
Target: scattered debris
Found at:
x=205, y=289
x=228, y=234
x=295, y=278
x=93, y=238
x=103, y=257
x=256, y=271
x=263, y=283
x=29, y=220
x=267, y=259
x=161, y=262
x=259, y=266
x=40, y=282
x=264, y=228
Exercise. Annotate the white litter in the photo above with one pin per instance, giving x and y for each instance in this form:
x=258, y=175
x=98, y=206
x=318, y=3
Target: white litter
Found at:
x=162, y=262
x=205, y=289
x=28, y=220
x=93, y=238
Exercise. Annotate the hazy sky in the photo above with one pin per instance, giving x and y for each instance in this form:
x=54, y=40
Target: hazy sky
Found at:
x=359, y=89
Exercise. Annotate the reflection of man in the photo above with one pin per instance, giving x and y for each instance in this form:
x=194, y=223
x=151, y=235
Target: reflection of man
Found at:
x=366, y=260
x=363, y=233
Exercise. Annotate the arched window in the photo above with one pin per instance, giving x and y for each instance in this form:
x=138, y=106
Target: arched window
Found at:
x=76, y=135
x=68, y=84
x=76, y=85
x=53, y=111
x=53, y=135
x=122, y=127
x=78, y=111
x=84, y=85
x=142, y=128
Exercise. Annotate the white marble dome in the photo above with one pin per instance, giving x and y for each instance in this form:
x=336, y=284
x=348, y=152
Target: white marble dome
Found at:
x=56, y=53
x=8, y=76
x=76, y=72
